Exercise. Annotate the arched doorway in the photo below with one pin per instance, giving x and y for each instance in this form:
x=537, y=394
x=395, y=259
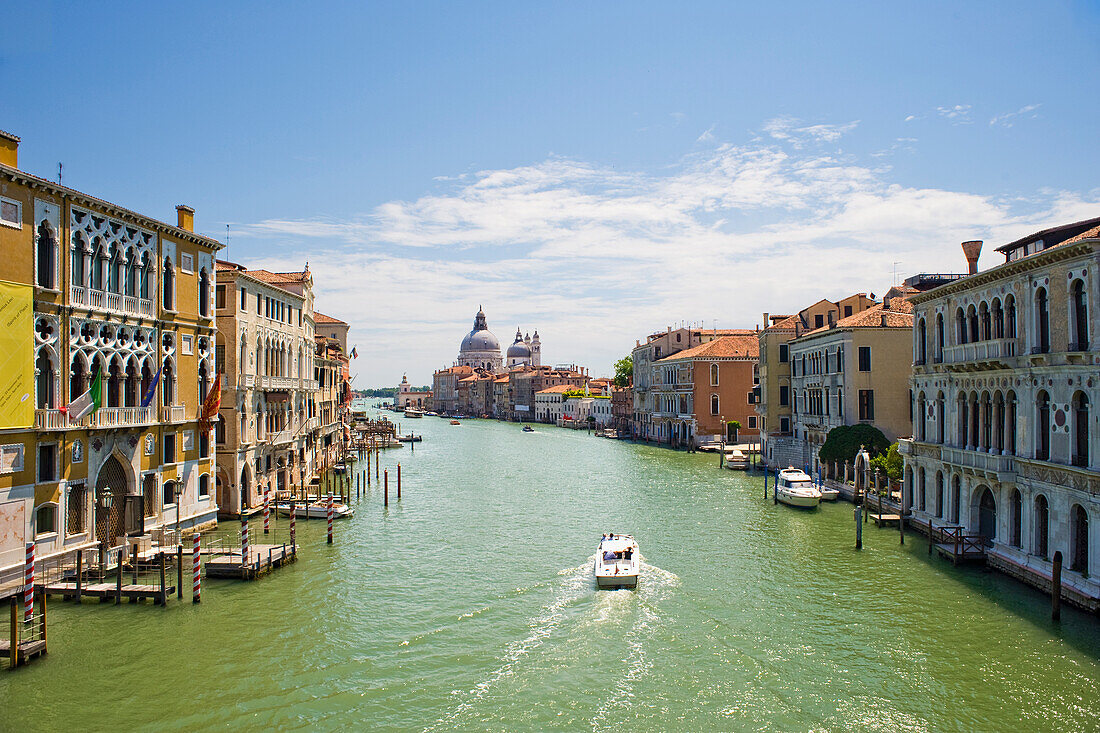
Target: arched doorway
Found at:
x=244, y=489
x=110, y=522
x=987, y=516
x=1079, y=526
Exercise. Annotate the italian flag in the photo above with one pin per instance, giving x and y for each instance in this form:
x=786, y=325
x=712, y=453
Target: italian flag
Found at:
x=88, y=402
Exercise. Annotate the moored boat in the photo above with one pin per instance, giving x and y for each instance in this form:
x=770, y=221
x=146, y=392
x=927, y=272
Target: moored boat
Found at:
x=796, y=488
x=413, y=412
x=735, y=460
x=528, y=429
x=617, y=562
x=455, y=422
x=316, y=510
x=410, y=438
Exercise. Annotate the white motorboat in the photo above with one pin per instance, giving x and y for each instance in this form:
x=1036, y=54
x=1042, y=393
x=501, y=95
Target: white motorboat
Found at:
x=735, y=460
x=413, y=412
x=316, y=511
x=617, y=562
x=828, y=493
x=796, y=488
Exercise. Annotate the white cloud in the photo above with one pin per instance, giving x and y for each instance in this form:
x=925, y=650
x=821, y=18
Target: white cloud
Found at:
x=1010, y=118
x=959, y=114
x=791, y=130
x=708, y=134
x=595, y=257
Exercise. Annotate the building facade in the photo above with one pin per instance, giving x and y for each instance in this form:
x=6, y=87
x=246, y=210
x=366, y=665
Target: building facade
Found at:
x=101, y=290
x=852, y=371
x=1005, y=435
x=268, y=413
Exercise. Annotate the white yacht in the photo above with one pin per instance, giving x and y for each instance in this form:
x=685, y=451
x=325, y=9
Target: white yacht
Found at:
x=317, y=510
x=413, y=412
x=617, y=562
x=735, y=460
x=796, y=488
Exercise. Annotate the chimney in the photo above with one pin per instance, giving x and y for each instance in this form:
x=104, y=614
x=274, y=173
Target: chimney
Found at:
x=886, y=302
x=883, y=317
x=9, y=149
x=972, y=249
x=832, y=317
x=766, y=321
x=185, y=217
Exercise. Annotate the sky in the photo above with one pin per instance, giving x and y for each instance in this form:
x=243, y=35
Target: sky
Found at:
x=595, y=171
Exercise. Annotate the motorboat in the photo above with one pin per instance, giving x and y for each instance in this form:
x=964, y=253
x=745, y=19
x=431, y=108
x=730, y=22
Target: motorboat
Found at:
x=340, y=468
x=431, y=414
x=796, y=488
x=735, y=460
x=528, y=429
x=413, y=412
x=410, y=438
x=828, y=493
x=318, y=510
x=617, y=562
x=455, y=422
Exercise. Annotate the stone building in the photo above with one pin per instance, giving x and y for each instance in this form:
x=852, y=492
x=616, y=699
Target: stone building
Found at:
x=697, y=391
x=94, y=289
x=852, y=371
x=266, y=354
x=330, y=368
x=1005, y=433
x=480, y=348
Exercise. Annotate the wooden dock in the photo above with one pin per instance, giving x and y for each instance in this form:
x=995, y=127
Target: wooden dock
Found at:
x=885, y=520
x=261, y=560
x=26, y=640
x=109, y=590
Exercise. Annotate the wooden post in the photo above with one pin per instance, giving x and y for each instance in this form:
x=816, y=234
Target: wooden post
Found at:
x=118, y=577
x=1056, y=588
x=293, y=509
x=163, y=584
x=368, y=467
x=399, y=482
x=775, y=489
x=859, y=528
x=79, y=573
x=134, y=562
x=765, y=483
x=42, y=619
x=14, y=651
x=901, y=522
x=386, y=491
x=179, y=569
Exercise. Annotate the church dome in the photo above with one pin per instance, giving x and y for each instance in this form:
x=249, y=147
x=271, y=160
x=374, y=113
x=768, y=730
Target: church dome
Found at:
x=519, y=350
x=480, y=338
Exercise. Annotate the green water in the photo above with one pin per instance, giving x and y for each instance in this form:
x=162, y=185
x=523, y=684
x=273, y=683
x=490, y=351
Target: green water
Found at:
x=470, y=605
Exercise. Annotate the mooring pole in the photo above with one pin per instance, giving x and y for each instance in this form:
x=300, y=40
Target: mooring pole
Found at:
x=775, y=488
x=179, y=568
x=293, y=519
x=196, y=570
x=267, y=511
x=330, y=517
x=399, y=482
x=245, y=554
x=1056, y=588
x=765, y=483
x=859, y=528
x=386, y=490
x=28, y=585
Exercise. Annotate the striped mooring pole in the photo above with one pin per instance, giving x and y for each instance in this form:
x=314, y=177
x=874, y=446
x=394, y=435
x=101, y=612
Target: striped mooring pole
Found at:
x=293, y=511
x=28, y=585
x=267, y=511
x=330, y=517
x=245, y=554
x=196, y=567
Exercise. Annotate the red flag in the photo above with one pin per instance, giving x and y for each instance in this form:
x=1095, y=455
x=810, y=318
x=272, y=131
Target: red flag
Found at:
x=212, y=403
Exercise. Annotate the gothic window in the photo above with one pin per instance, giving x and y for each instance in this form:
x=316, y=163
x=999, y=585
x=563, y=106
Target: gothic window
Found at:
x=1042, y=526
x=44, y=380
x=47, y=255
x=1080, y=429
x=1080, y=317
x=1079, y=552
x=1010, y=317
x=169, y=283
x=1042, y=426
x=204, y=293
x=1042, y=321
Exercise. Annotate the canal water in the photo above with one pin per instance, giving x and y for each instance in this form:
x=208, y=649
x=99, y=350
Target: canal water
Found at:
x=470, y=605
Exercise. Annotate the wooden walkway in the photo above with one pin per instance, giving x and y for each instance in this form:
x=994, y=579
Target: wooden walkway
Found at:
x=27, y=651
x=261, y=560
x=106, y=591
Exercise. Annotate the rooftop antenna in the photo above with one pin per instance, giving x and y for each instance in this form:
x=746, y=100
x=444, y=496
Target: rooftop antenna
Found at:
x=59, y=173
x=227, y=242
x=896, y=272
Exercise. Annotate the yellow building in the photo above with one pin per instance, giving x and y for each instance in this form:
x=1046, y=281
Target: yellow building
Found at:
x=113, y=292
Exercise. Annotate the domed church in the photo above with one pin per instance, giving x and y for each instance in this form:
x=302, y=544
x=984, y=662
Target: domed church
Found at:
x=525, y=350
x=480, y=348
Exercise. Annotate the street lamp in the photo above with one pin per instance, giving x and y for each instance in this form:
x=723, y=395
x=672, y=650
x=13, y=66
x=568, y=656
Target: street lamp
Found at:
x=177, y=492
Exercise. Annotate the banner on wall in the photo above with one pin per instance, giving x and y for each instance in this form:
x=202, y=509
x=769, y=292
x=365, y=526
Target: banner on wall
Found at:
x=16, y=355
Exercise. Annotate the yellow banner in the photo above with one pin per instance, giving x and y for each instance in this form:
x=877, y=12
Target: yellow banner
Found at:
x=16, y=355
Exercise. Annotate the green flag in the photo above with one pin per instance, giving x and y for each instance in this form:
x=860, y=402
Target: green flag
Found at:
x=88, y=402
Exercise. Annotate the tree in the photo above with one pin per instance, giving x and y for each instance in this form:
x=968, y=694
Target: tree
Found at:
x=624, y=372
x=732, y=427
x=890, y=463
x=843, y=442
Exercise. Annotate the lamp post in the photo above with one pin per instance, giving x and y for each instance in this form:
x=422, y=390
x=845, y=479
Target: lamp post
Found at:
x=177, y=491
x=106, y=501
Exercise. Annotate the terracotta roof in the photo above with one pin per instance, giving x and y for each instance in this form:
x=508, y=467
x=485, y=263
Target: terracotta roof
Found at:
x=722, y=347
x=1087, y=234
x=558, y=389
x=787, y=323
x=900, y=315
x=279, y=278
x=322, y=318
x=9, y=136
x=501, y=380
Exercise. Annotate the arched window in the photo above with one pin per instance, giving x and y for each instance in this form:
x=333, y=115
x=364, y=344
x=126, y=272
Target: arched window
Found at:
x=131, y=274
x=920, y=490
x=1010, y=317
x=44, y=379
x=1010, y=423
x=1042, y=526
x=922, y=342
x=963, y=420
x=77, y=376
x=130, y=385
x=941, y=418
x=1079, y=318
x=998, y=319
x=45, y=519
x=78, y=273
x=922, y=417
x=972, y=324
x=168, y=280
x=939, y=338
x=1080, y=429
x=168, y=384
x=960, y=326
x=146, y=275
x=1079, y=551
x=1042, y=426
x=46, y=256
x=986, y=323
x=713, y=375
x=168, y=493
x=939, y=494
x=714, y=404
x=99, y=267
x=1042, y=322
x=204, y=293
x=204, y=485
x=956, y=499
x=1015, y=518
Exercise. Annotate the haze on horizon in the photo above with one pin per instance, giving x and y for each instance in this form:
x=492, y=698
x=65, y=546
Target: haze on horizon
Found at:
x=593, y=172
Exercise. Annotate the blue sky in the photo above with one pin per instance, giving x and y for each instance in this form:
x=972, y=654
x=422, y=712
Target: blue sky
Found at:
x=593, y=170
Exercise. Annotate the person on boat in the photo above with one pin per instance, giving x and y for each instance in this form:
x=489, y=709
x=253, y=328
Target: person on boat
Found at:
x=626, y=553
x=608, y=556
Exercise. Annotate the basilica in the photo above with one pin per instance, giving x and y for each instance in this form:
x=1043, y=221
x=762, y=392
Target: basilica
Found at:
x=481, y=349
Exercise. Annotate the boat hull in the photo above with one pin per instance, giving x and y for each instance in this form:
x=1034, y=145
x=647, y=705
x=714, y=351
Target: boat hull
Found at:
x=802, y=502
x=317, y=512
x=616, y=581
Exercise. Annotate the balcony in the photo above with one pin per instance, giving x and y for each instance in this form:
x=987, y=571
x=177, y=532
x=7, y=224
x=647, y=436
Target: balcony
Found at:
x=247, y=381
x=280, y=384
x=104, y=417
x=980, y=355
x=172, y=414
x=991, y=465
x=111, y=302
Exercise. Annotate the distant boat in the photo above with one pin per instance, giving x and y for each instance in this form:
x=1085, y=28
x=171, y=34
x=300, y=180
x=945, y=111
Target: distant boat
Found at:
x=316, y=511
x=410, y=438
x=455, y=422
x=413, y=412
x=528, y=429
x=735, y=460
